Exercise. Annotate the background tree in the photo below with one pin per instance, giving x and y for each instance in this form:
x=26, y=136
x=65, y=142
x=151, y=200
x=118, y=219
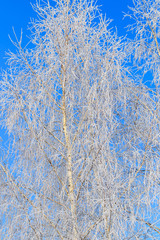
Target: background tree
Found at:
x=146, y=15
x=83, y=162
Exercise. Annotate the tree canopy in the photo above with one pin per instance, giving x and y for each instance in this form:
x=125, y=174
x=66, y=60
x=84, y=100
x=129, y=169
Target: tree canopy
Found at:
x=84, y=155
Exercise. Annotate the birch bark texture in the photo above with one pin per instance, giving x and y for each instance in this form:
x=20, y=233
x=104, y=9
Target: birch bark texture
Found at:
x=84, y=155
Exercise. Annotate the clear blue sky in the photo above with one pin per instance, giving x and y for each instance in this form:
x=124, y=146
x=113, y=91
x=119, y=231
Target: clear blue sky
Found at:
x=17, y=14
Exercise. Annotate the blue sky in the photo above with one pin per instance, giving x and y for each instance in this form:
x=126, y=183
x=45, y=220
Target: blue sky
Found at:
x=17, y=14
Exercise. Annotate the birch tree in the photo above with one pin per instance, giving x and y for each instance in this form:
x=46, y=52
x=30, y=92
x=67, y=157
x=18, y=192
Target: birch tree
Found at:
x=83, y=159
